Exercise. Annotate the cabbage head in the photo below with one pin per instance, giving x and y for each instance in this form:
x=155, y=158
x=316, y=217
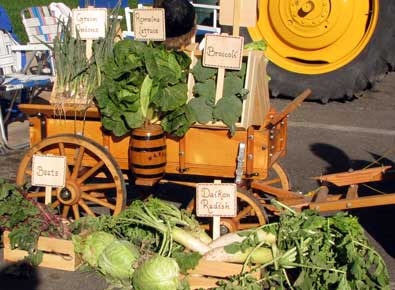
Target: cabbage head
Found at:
x=157, y=273
x=93, y=245
x=116, y=261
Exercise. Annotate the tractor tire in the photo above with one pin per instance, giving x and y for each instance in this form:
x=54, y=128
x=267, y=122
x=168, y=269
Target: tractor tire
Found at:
x=349, y=81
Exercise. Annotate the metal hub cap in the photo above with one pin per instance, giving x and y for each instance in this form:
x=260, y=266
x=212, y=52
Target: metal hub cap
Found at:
x=315, y=36
x=70, y=194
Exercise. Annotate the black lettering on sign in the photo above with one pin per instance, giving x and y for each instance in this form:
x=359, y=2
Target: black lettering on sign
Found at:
x=224, y=54
x=44, y=172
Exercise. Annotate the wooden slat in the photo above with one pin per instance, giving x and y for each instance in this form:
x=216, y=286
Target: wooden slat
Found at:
x=360, y=202
x=196, y=282
x=58, y=254
x=280, y=193
x=217, y=269
x=355, y=177
x=50, y=110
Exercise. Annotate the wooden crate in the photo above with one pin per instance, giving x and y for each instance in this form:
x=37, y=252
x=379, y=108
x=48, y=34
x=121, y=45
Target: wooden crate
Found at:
x=208, y=273
x=257, y=105
x=58, y=254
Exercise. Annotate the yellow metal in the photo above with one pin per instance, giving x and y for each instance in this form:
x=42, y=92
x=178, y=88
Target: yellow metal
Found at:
x=315, y=36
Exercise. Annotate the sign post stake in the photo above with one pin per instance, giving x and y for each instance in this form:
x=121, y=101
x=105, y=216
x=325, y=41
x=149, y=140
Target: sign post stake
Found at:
x=216, y=221
x=236, y=18
x=48, y=194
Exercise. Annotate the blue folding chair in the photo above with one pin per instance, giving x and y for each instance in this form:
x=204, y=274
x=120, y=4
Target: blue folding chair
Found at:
x=15, y=85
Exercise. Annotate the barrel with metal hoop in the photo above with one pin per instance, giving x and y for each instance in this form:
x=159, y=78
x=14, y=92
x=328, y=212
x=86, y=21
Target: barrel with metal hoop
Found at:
x=148, y=154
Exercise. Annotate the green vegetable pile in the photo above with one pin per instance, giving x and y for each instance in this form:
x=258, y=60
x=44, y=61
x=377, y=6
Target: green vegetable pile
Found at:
x=27, y=220
x=301, y=251
x=144, y=83
x=229, y=108
x=314, y=252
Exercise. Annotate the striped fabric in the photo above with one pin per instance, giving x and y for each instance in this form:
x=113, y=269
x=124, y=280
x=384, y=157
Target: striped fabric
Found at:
x=40, y=24
x=10, y=78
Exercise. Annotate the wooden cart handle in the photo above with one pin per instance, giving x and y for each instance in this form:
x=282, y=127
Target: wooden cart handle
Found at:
x=291, y=107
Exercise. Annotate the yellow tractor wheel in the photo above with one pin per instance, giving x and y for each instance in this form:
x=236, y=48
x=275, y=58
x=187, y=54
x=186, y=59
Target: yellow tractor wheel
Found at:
x=336, y=47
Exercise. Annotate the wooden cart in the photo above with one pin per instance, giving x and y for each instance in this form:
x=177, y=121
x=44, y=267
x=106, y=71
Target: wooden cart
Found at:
x=98, y=162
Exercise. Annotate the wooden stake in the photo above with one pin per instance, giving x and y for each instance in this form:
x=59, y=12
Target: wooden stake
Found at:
x=48, y=195
x=236, y=18
x=220, y=84
x=216, y=221
x=88, y=50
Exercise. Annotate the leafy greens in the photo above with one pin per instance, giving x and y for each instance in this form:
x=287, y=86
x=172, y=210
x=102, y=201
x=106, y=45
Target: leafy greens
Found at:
x=144, y=83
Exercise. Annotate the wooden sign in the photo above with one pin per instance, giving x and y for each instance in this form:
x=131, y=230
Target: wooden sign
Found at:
x=49, y=170
x=248, y=13
x=223, y=51
x=90, y=23
x=216, y=200
x=149, y=24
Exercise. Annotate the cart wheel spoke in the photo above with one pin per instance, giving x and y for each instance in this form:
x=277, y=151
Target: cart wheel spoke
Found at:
x=244, y=212
x=76, y=211
x=65, y=211
x=248, y=226
x=272, y=181
x=29, y=172
x=62, y=152
x=98, y=201
x=39, y=194
x=86, y=208
x=90, y=172
x=78, y=162
x=55, y=204
x=98, y=186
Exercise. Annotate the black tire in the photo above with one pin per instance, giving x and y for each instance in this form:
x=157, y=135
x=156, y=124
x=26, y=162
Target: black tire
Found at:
x=350, y=81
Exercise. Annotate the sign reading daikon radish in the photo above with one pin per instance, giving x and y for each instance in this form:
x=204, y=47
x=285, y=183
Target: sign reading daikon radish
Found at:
x=216, y=200
x=49, y=170
x=223, y=51
x=90, y=23
x=149, y=24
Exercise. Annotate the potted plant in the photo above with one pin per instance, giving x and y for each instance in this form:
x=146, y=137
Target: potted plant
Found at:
x=144, y=90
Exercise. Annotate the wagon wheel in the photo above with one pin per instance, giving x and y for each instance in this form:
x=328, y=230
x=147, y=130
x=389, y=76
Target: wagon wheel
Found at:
x=250, y=213
x=278, y=177
x=93, y=178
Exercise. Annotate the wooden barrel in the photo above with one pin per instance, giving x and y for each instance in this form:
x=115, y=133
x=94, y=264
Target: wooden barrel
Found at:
x=148, y=154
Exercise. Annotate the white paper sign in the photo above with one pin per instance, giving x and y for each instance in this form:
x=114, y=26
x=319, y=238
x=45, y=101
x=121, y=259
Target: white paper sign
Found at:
x=49, y=170
x=91, y=23
x=149, y=24
x=223, y=51
x=216, y=199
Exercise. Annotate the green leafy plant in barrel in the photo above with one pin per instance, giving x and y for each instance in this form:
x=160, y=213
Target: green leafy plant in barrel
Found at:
x=144, y=84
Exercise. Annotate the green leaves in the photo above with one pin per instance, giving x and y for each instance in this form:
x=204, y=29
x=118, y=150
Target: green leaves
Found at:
x=143, y=82
x=229, y=108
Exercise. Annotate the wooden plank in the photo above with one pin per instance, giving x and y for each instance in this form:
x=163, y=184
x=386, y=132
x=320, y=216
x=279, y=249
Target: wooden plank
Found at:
x=280, y=193
x=216, y=269
x=360, y=202
x=58, y=254
x=355, y=177
x=291, y=107
x=197, y=282
x=51, y=110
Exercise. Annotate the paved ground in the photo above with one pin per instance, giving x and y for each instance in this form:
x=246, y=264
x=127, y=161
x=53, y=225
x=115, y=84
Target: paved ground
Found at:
x=322, y=139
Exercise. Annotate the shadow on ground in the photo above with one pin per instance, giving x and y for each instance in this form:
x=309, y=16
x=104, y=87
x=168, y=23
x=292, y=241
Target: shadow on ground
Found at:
x=19, y=276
